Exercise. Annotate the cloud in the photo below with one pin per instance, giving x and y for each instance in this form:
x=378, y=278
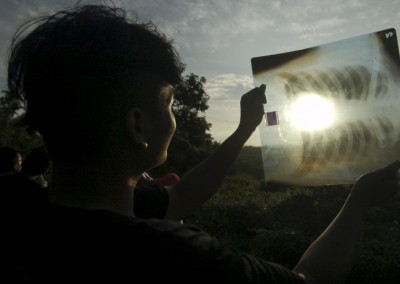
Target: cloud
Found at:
x=209, y=25
x=13, y=14
x=228, y=87
x=318, y=21
x=318, y=25
x=225, y=91
x=228, y=22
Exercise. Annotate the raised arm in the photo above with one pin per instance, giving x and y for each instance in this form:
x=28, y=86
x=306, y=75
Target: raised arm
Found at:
x=200, y=183
x=330, y=257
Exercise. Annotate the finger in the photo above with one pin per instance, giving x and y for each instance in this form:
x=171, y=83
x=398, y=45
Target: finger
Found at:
x=256, y=94
x=262, y=93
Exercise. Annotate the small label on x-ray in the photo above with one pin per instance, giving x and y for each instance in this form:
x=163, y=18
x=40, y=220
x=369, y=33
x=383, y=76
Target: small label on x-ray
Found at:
x=272, y=118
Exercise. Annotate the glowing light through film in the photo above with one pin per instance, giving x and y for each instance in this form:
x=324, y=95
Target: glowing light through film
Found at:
x=311, y=112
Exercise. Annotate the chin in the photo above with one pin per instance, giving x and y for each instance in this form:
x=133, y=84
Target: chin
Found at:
x=161, y=161
x=158, y=162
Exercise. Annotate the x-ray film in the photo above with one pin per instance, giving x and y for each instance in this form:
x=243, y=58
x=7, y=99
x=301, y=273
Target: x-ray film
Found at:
x=333, y=110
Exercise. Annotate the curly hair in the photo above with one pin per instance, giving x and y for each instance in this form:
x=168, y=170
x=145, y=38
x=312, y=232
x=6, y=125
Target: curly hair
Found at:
x=78, y=67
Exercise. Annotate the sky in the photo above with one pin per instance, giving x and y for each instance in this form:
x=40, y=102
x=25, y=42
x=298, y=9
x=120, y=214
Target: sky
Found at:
x=216, y=39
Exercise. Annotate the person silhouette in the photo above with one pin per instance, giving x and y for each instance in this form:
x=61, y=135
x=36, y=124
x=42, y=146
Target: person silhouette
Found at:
x=10, y=160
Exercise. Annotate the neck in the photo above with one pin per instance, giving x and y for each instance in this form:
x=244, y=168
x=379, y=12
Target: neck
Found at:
x=92, y=187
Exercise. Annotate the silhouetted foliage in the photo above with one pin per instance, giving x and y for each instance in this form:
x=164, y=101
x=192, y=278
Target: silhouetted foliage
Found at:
x=11, y=133
x=249, y=162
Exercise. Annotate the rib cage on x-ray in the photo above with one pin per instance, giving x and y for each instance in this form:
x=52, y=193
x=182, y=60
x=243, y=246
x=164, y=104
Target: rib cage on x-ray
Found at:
x=350, y=140
x=347, y=83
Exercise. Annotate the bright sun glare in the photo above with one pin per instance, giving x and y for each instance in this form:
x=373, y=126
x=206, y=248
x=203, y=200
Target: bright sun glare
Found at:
x=311, y=112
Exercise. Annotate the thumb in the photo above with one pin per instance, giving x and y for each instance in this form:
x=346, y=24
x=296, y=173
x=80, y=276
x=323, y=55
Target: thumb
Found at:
x=167, y=180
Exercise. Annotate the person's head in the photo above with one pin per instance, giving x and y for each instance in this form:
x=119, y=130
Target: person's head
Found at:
x=36, y=162
x=96, y=85
x=10, y=160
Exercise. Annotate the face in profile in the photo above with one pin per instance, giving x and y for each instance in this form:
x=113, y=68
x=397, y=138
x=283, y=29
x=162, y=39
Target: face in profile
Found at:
x=153, y=125
x=163, y=126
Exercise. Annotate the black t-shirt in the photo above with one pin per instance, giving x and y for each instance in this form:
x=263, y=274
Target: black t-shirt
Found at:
x=53, y=244
x=18, y=191
x=20, y=200
x=150, y=201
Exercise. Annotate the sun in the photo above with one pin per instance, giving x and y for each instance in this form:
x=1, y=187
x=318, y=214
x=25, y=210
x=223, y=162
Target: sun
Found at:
x=311, y=111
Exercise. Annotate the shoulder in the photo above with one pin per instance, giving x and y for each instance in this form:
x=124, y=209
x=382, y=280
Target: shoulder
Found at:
x=111, y=244
x=17, y=181
x=151, y=201
x=18, y=190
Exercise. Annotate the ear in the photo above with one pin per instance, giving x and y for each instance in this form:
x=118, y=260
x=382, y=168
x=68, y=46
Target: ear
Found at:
x=136, y=124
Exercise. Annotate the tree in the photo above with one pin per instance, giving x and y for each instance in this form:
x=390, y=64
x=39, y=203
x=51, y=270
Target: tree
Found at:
x=191, y=142
x=11, y=133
